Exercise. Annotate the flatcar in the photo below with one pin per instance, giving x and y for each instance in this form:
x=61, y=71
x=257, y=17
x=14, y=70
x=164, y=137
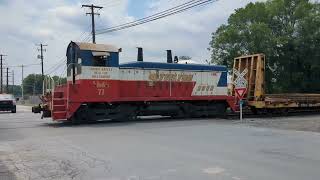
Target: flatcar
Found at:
x=100, y=88
x=261, y=103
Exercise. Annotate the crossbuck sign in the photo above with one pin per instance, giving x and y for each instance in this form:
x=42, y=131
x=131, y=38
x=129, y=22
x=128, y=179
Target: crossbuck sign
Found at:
x=240, y=81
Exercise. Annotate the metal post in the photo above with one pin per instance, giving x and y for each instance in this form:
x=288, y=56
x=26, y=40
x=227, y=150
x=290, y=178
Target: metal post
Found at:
x=241, y=102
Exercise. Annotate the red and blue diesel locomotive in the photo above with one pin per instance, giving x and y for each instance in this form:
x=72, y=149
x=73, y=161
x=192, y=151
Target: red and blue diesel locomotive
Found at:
x=99, y=88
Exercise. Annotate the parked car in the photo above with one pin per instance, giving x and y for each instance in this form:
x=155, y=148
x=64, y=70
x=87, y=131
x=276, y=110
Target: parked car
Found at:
x=8, y=103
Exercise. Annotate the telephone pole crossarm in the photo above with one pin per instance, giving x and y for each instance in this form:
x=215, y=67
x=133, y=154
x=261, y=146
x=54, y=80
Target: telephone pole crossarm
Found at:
x=92, y=13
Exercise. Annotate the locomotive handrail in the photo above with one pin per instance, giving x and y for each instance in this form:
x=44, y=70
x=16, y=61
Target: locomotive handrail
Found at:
x=68, y=83
x=73, y=74
x=48, y=85
x=71, y=64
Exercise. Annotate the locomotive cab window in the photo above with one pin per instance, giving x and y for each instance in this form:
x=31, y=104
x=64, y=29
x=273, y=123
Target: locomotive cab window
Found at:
x=100, y=58
x=77, y=67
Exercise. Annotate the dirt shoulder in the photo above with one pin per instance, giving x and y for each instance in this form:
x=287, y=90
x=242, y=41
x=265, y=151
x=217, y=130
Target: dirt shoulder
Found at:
x=298, y=123
x=5, y=173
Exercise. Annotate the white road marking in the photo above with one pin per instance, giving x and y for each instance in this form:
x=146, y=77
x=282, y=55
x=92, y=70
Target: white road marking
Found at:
x=236, y=178
x=214, y=170
x=22, y=108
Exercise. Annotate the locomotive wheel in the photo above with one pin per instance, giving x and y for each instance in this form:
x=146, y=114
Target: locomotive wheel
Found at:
x=254, y=110
x=126, y=113
x=74, y=120
x=81, y=116
x=285, y=112
x=270, y=112
x=180, y=114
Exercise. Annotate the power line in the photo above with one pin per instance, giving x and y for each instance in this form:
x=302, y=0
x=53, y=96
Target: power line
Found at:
x=172, y=11
x=159, y=13
x=166, y=14
x=26, y=65
x=54, y=67
x=62, y=60
x=82, y=38
x=83, y=34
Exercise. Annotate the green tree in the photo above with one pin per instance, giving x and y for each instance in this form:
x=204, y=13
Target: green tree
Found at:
x=59, y=80
x=33, y=83
x=15, y=90
x=286, y=31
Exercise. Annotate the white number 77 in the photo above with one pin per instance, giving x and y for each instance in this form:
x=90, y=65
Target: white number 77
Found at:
x=101, y=92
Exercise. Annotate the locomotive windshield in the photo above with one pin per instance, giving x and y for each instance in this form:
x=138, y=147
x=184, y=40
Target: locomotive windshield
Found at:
x=100, y=58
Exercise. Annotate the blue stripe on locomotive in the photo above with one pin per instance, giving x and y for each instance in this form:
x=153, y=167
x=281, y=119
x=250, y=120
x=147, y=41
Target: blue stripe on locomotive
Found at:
x=159, y=65
x=223, y=81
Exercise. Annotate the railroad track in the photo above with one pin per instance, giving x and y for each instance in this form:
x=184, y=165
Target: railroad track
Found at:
x=249, y=114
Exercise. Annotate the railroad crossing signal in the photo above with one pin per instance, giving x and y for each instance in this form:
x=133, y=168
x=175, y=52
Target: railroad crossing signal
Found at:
x=240, y=87
x=240, y=81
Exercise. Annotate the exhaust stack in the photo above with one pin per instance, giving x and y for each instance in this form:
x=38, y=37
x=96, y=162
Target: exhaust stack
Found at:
x=169, y=56
x=176, y=59
x=140, y=54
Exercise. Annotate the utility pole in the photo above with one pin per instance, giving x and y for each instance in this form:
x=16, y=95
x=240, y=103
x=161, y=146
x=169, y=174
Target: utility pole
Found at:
x=22, y=81
x=41, y=57
x=34, y=84
x=1, y=73
x=12, y=82
x=7, y=87
x=92, y=13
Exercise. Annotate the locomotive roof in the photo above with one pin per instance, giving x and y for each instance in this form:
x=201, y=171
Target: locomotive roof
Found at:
x=96, y=47
x=158, y=65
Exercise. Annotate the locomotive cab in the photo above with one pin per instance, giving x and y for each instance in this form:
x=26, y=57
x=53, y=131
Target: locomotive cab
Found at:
x=81, y=55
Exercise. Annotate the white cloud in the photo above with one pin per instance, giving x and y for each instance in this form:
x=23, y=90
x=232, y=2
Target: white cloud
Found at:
x=56, y=23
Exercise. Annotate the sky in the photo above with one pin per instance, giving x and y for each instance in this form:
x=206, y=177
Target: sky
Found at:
x=24, y=24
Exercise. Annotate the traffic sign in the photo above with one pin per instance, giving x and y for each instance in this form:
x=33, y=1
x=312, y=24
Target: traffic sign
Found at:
x=240, y=81
x=240, y=92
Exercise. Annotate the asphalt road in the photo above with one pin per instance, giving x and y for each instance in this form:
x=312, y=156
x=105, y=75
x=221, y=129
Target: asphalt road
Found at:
x=160, y=149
